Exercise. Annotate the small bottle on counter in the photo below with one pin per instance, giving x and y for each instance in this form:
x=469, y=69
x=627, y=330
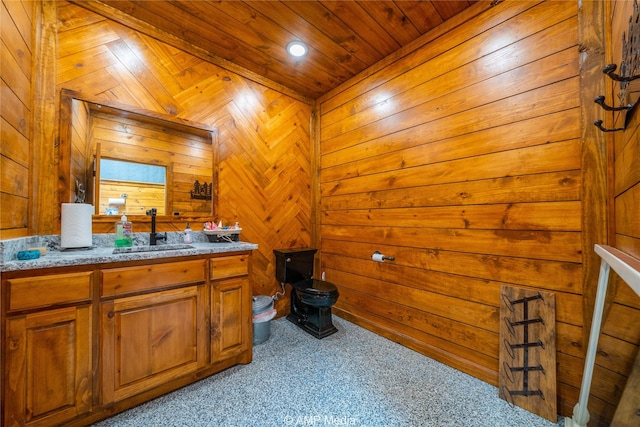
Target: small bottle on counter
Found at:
x=188, y=238
x=124, y=233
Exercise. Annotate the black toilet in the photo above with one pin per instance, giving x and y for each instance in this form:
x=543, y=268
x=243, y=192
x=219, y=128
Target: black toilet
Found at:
x=311, y=299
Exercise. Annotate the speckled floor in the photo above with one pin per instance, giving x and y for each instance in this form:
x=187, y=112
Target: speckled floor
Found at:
x=353, y=378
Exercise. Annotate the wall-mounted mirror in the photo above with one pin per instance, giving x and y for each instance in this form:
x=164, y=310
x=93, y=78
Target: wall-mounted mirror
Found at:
x=126, y=160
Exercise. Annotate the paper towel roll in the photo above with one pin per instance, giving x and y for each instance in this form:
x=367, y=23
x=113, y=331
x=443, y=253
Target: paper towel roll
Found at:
x=117, y=201
x=75, y=227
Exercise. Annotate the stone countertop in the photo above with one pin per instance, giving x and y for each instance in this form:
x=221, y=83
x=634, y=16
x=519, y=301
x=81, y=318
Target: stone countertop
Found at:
x=104, y=254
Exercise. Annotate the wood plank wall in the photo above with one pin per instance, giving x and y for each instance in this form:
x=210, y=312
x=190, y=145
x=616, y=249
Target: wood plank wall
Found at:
x=620, y=338
x=264, y=143
x=625, y=145
x=463, y=160
x=80, y=164
x=140, y=198
x=16, y=19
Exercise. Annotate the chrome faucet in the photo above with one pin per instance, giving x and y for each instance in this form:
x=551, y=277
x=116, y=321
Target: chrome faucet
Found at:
x=154, y=237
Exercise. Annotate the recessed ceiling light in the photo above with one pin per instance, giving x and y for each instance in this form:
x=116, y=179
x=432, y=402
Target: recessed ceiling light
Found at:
x=297, y=49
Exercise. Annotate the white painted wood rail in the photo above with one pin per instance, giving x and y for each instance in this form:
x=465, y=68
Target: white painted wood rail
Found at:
x=628, y=268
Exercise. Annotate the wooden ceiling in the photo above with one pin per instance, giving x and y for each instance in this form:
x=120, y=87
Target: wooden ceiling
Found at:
x=344, y=37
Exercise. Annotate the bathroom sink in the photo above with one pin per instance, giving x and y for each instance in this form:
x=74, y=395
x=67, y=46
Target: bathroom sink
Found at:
x=150, y=248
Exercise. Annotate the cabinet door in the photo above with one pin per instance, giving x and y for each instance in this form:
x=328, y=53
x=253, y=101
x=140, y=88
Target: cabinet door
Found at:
x=47, y=368
x=230, y=317
x=151, y=339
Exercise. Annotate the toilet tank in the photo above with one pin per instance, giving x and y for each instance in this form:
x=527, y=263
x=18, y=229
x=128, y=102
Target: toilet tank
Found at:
x=294, y=265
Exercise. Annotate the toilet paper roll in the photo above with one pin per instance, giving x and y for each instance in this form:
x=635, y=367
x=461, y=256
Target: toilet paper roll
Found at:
x=75, y=227
x=117, y=201
x=377, y=257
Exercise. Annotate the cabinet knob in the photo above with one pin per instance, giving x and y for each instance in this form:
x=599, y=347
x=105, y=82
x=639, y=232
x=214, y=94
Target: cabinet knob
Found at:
x=110, y=314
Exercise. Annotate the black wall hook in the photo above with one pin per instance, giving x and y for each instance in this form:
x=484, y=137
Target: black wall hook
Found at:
x=598, y=123
x=609, y=71
x=600, y=101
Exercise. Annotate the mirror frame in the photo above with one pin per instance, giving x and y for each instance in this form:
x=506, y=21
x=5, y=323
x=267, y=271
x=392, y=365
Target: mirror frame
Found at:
x=67, y=97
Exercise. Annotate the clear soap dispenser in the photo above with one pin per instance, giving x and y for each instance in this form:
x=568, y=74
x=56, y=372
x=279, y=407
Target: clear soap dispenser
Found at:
x=188, y=238
x=124, y=233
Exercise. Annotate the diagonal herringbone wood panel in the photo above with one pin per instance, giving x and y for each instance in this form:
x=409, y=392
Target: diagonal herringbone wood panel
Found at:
x=263, y=135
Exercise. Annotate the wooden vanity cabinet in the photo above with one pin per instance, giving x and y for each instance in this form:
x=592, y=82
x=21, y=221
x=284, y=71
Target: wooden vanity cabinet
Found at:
x=82, y=343
x=151, y=338
x=47, y=349
x=231, y=308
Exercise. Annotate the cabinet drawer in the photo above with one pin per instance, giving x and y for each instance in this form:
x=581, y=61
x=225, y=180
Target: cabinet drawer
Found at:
x=42, y=291
x=229, y=266
x=126, y=280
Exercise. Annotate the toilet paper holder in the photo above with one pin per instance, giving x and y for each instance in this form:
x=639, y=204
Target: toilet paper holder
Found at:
x=377, y=256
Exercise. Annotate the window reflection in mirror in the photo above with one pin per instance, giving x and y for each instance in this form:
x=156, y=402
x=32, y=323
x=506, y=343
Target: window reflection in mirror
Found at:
x=131, y=188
